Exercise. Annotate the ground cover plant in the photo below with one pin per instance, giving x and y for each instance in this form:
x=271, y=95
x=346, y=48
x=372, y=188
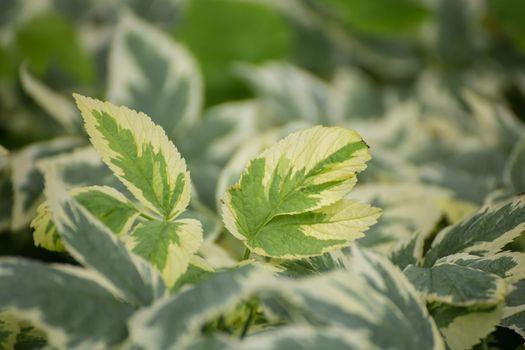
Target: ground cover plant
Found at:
x=353, y=181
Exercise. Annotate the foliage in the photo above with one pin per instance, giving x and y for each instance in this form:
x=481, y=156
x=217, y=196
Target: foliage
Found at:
x=213, y=201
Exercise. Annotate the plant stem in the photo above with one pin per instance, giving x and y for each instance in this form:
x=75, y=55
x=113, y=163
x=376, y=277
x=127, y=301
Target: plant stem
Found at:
x=248, y=321
x=246, y=255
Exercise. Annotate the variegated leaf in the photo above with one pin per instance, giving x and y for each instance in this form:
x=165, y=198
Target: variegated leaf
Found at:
x=139, y=154
x=56, y=106
x=457, y=285
x=56, y=300
x=374, y=298
x=291, y=92
x=8, y=330
x=408, y=207
x=169, y=246
x=28, y=182
x=464, y=327
x=95, y=246
x=514, y=312
x=408, y=252
x=289, y=200
x=483, y=233
x=507, y=265
x=105, y=203
x=198, y=271
x=149, y=72
x=173, y=323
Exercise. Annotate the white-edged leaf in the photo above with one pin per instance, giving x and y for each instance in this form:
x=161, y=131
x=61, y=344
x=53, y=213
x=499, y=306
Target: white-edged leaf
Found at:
x=95, y=246
x=149, y=72
x=295, y=185
x=56, y=106
x=169, y=246
x=28, y=182
x=60, y=300
x=140, y=154
x=514, y=312
x=484, y=233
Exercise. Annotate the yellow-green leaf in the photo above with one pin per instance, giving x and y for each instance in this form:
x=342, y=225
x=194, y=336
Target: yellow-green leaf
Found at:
x=140, y=155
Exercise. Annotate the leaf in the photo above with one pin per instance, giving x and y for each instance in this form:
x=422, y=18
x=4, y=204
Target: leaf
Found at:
x=6, y=192
x=28, y=182
x=463, y=328
x=198, y=271
x=96, y=247
x=515, y=168
x=169, y=246
x=149, y=72
x=56, y=106
x=291, y=92
x=8, y=330
x=483, y=233
x=106, y=204
x=381, y=17
x=288, y=202
x=172, y=323
x=514, y=312
x=507, y=265
x=62, y=46
x=64, y=303
x=457, y=285
x=374, y=298
x=216, y=56
x=408, y=252
x=408, y=207
x=139, y=154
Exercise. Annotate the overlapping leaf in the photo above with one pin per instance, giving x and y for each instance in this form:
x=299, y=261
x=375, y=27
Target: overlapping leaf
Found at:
x=139, y=154
x=289, y=200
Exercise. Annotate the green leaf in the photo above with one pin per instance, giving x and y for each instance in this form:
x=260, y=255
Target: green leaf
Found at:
x=28, y=182
x=457, y=285
x=56, y=106
x=169, y=246
x=510, y=14
x=472, y=236
x=49, y=38
x=60, y=300
x=105, y=203
x=8, y=330
x=139, y=154
x=198, y=271
x=96, y=247
x=206, y=24
x=149, y=72
x=289, y=200
x=382, y=17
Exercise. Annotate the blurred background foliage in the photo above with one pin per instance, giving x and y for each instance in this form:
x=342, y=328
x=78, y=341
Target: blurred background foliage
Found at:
x=436, y=87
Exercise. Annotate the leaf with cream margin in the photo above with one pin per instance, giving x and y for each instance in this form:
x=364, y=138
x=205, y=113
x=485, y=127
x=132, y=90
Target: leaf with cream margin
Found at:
x=27, y=179
x=408, y=207
x=96, y=247
x=106, y=204
x=514, y=312
x=289, y=201
x=483, y=233
x=464, y=327
x=172, y=323
x=56, y=106
x=291, y=92
x=457, y=285
x=150, y=72
x=63, y=306
x=140, y=154
x=169, y=246
x=374, y=298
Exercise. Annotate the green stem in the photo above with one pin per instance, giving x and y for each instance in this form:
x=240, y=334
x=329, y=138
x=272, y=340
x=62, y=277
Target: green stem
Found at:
x=248, y=321
x=246, y=255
